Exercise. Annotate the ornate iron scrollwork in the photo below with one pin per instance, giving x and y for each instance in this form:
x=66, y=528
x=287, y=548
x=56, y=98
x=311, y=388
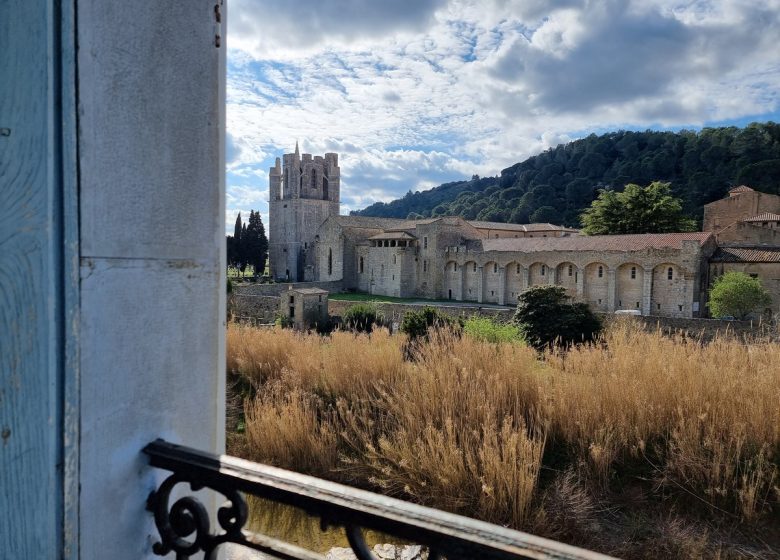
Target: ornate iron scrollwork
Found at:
x=186, y=530
x=184, y=527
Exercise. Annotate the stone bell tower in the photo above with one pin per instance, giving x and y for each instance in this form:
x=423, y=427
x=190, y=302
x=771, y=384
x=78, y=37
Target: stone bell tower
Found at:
x=304, y=192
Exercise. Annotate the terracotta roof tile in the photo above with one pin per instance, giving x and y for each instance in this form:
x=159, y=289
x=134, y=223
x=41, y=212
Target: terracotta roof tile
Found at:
x=368, y=222
x=741, y=189
x=747, y=254
x=636, y=242
x=519, y=227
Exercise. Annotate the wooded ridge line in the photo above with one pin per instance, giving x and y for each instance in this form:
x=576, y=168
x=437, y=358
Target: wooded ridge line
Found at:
x=557, y=185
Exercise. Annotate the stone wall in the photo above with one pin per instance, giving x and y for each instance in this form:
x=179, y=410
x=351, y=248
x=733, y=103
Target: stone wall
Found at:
x=258, y=309
x=252, y=289
x=606, y=280
x=743, y=232
x=704, y=329
x=329, y=249
x=263, y=309
x=395, y=311
x=722, y=213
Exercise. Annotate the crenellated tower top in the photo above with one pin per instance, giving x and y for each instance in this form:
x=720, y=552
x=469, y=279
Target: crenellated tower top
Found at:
x=299, y=175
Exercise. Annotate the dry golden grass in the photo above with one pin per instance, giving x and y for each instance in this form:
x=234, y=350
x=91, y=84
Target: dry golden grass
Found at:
x=471, y=427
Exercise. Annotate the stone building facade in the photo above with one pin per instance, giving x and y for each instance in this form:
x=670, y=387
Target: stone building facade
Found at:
x=304, y=307
x=742, y=204
x=750, y=243
x=450, y=258
x=454, y=259
x=304, y=192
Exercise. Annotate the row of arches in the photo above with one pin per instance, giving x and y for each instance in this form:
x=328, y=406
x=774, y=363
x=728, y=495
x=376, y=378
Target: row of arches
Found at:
x=661, y=289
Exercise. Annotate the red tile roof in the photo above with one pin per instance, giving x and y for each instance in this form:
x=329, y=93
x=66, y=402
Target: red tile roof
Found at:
x=520, y=227
x=740, y=189
x=765, y=217
x=747, y=254
x=636, y=242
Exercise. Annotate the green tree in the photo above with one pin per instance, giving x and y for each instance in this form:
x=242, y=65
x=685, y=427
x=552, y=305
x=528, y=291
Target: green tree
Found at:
x=248, y=245
x=546, y=318
x=546, y=215
x=650, y=209
x=737, y=295
x=257, y=243
x=234, y=244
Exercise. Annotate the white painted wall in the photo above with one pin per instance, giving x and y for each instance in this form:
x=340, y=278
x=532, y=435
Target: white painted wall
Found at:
x=151, y=137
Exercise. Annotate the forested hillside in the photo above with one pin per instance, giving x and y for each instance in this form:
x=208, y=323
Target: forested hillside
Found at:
x=558, y=184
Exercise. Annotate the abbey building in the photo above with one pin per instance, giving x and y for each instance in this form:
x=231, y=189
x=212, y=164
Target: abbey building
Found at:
x=453, y=259
x=304, y=192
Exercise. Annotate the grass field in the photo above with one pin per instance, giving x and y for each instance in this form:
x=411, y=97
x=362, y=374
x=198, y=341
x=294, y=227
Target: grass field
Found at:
x=233, y=272
x=643, y=446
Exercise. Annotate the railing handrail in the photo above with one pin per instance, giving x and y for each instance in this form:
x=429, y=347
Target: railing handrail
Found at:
x=453, y=536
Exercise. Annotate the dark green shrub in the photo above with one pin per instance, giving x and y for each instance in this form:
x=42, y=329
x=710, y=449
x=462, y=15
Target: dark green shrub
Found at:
x=229, y=286
x=415, y=324
x=362, y=317
x=546, y=318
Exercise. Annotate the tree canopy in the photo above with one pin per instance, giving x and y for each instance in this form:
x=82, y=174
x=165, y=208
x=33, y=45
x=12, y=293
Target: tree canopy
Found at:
x=545, y=317
x=248, y=246
x=650, y=209
x=736, y=294
x=700, y=166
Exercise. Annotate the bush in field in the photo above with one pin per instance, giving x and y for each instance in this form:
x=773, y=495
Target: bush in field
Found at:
x=416, y=323
x=737, y=295
x=362, y=317
x=489, y=330
x=545, y=318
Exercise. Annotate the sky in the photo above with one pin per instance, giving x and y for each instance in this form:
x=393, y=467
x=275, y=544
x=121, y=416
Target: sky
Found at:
x=415, y=93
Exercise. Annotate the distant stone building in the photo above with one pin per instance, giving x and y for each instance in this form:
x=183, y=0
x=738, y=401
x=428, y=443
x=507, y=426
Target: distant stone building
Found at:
x=304, y=192
x=487, y=262
x=747, y=229
x=304, y=307
x=743, y=204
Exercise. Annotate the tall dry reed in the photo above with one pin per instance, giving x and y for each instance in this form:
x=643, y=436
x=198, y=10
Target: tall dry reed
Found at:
x=471, y=426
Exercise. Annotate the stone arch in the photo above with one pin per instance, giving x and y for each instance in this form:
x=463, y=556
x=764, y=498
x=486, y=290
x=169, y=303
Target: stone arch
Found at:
x=470, y=282
x=514, y=282
x=566, y=276
x=538, y=274
x=629, y=285
x=668, y=295
x=452, y=278
x=596, y=289
x=491, y=282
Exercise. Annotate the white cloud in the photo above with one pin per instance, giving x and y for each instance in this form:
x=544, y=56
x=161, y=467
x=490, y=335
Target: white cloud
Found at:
x=414, y=93
x=279, y=28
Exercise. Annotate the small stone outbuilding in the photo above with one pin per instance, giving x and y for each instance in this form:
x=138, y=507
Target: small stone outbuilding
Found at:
x=305, y=307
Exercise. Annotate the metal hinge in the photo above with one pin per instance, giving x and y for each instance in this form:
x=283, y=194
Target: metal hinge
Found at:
x=218, y=23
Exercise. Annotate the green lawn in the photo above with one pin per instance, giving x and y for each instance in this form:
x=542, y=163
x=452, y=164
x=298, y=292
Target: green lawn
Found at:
x=249, y=271
x=234, y=272
x=382, y=299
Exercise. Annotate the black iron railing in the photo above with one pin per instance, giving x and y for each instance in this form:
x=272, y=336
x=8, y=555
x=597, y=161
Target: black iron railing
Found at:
x=185, y=527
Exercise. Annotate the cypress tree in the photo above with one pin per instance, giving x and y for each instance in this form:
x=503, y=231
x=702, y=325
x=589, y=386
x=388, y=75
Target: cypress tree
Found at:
x=257, y=243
